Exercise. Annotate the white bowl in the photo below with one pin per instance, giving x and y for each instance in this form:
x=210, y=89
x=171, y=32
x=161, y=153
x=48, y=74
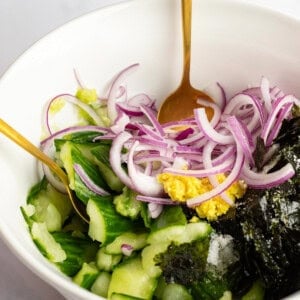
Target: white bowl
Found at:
x=233, y=43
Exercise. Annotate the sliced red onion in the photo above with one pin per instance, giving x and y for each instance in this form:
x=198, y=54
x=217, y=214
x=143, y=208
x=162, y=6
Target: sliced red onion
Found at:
x=73, y=100
x=224, y=167
x=149, y=131
x=277, y=106
x=265, y=91
x=216, y=92
x=269, y=180
x=88, y=182
x=221, y=187
x=158, y=200
x=126, y=249
x=148, y=157
x=53, y=180
x=192, y=139
x=217, y=111
x=208, y=163
x=208, y=130
x=151, y=142
x=276, y=92
x=115, y=157
x=228, y=153
x=144, y=184
x=120, y=123
x=130, y=111
x=283, y=114
x=243, y=137
x=140, y=99
x=115, y=90
x=153, y=119
x=155, y=210
x=184, y=134
x=74, y=129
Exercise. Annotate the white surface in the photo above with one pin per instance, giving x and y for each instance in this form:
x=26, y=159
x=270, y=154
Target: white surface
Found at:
x=21, y=24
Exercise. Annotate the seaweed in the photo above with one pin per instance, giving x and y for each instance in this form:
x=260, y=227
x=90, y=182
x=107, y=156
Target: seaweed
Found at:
x=270, y=221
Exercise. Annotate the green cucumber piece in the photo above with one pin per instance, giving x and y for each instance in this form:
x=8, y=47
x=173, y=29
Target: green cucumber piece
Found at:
x=166, y=234
x=170, y=216
x=130, y=278
x=28, y=211
x=101, y=284
x=78, y=250
x=123, y=297
x=86, y=276
x=105, y=223
x=101, y=154
x=180, y=233
x=148, y=254
x=71, y=154
x=107, y=261
x=136, y=240
x=51, y=207
x=174, y=291
x=46, y=243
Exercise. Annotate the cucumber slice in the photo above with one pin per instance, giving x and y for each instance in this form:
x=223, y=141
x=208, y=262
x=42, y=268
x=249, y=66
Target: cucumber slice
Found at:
x=46, y=243
x=86, y=276
x=50, y=206
x=166, y=234
x=107, y=261
x=180, y=233
x=195, y=231
x=148, y=255
x=174, y=291
x=130, y=278
x=78, y=251
x=105, y=223
x=123, y=297
x=28, y=211
x=136, y=240
x=102, y=153
x=101, y=284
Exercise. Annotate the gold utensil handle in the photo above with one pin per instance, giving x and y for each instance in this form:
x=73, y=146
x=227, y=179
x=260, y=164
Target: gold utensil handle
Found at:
x=15, y=136
x=186, y=8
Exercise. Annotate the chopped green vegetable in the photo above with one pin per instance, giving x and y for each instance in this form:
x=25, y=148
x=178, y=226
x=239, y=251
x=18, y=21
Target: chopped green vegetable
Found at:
x=86, y=276
x=127, y=205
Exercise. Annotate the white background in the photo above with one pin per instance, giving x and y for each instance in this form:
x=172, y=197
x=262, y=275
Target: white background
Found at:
x=22, y=22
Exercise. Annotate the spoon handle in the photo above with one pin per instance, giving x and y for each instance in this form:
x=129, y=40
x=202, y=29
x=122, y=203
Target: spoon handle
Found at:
x=186, y=10
x=16, y=137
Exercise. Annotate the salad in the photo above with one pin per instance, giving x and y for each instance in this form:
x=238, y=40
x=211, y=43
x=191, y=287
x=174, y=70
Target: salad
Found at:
x=194, y=209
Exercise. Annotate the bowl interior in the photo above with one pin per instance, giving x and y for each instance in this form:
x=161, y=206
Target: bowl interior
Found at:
x=232, y=42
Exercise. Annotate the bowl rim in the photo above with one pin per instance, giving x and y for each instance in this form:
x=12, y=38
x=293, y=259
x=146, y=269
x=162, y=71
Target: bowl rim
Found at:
x=28, y=259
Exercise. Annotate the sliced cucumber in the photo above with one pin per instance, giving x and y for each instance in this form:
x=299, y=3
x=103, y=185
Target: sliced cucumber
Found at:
x=101, y=153
x=101, y=284
x=180, y=233
x=130, y=279
x=86, y=276
x=174, y=291
x=78, y=251
x=28, y=211
x=50, y=206
x=195, y=231
x=107, y=261
x=105, y=223
x=123, y=297
x=46, y=243
x=166, y=234
x=170, y=216
x=148, y=254
x=136, y=240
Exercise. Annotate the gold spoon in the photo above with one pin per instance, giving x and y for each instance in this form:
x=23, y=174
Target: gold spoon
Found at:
x=180, y=104
x=16, y=137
